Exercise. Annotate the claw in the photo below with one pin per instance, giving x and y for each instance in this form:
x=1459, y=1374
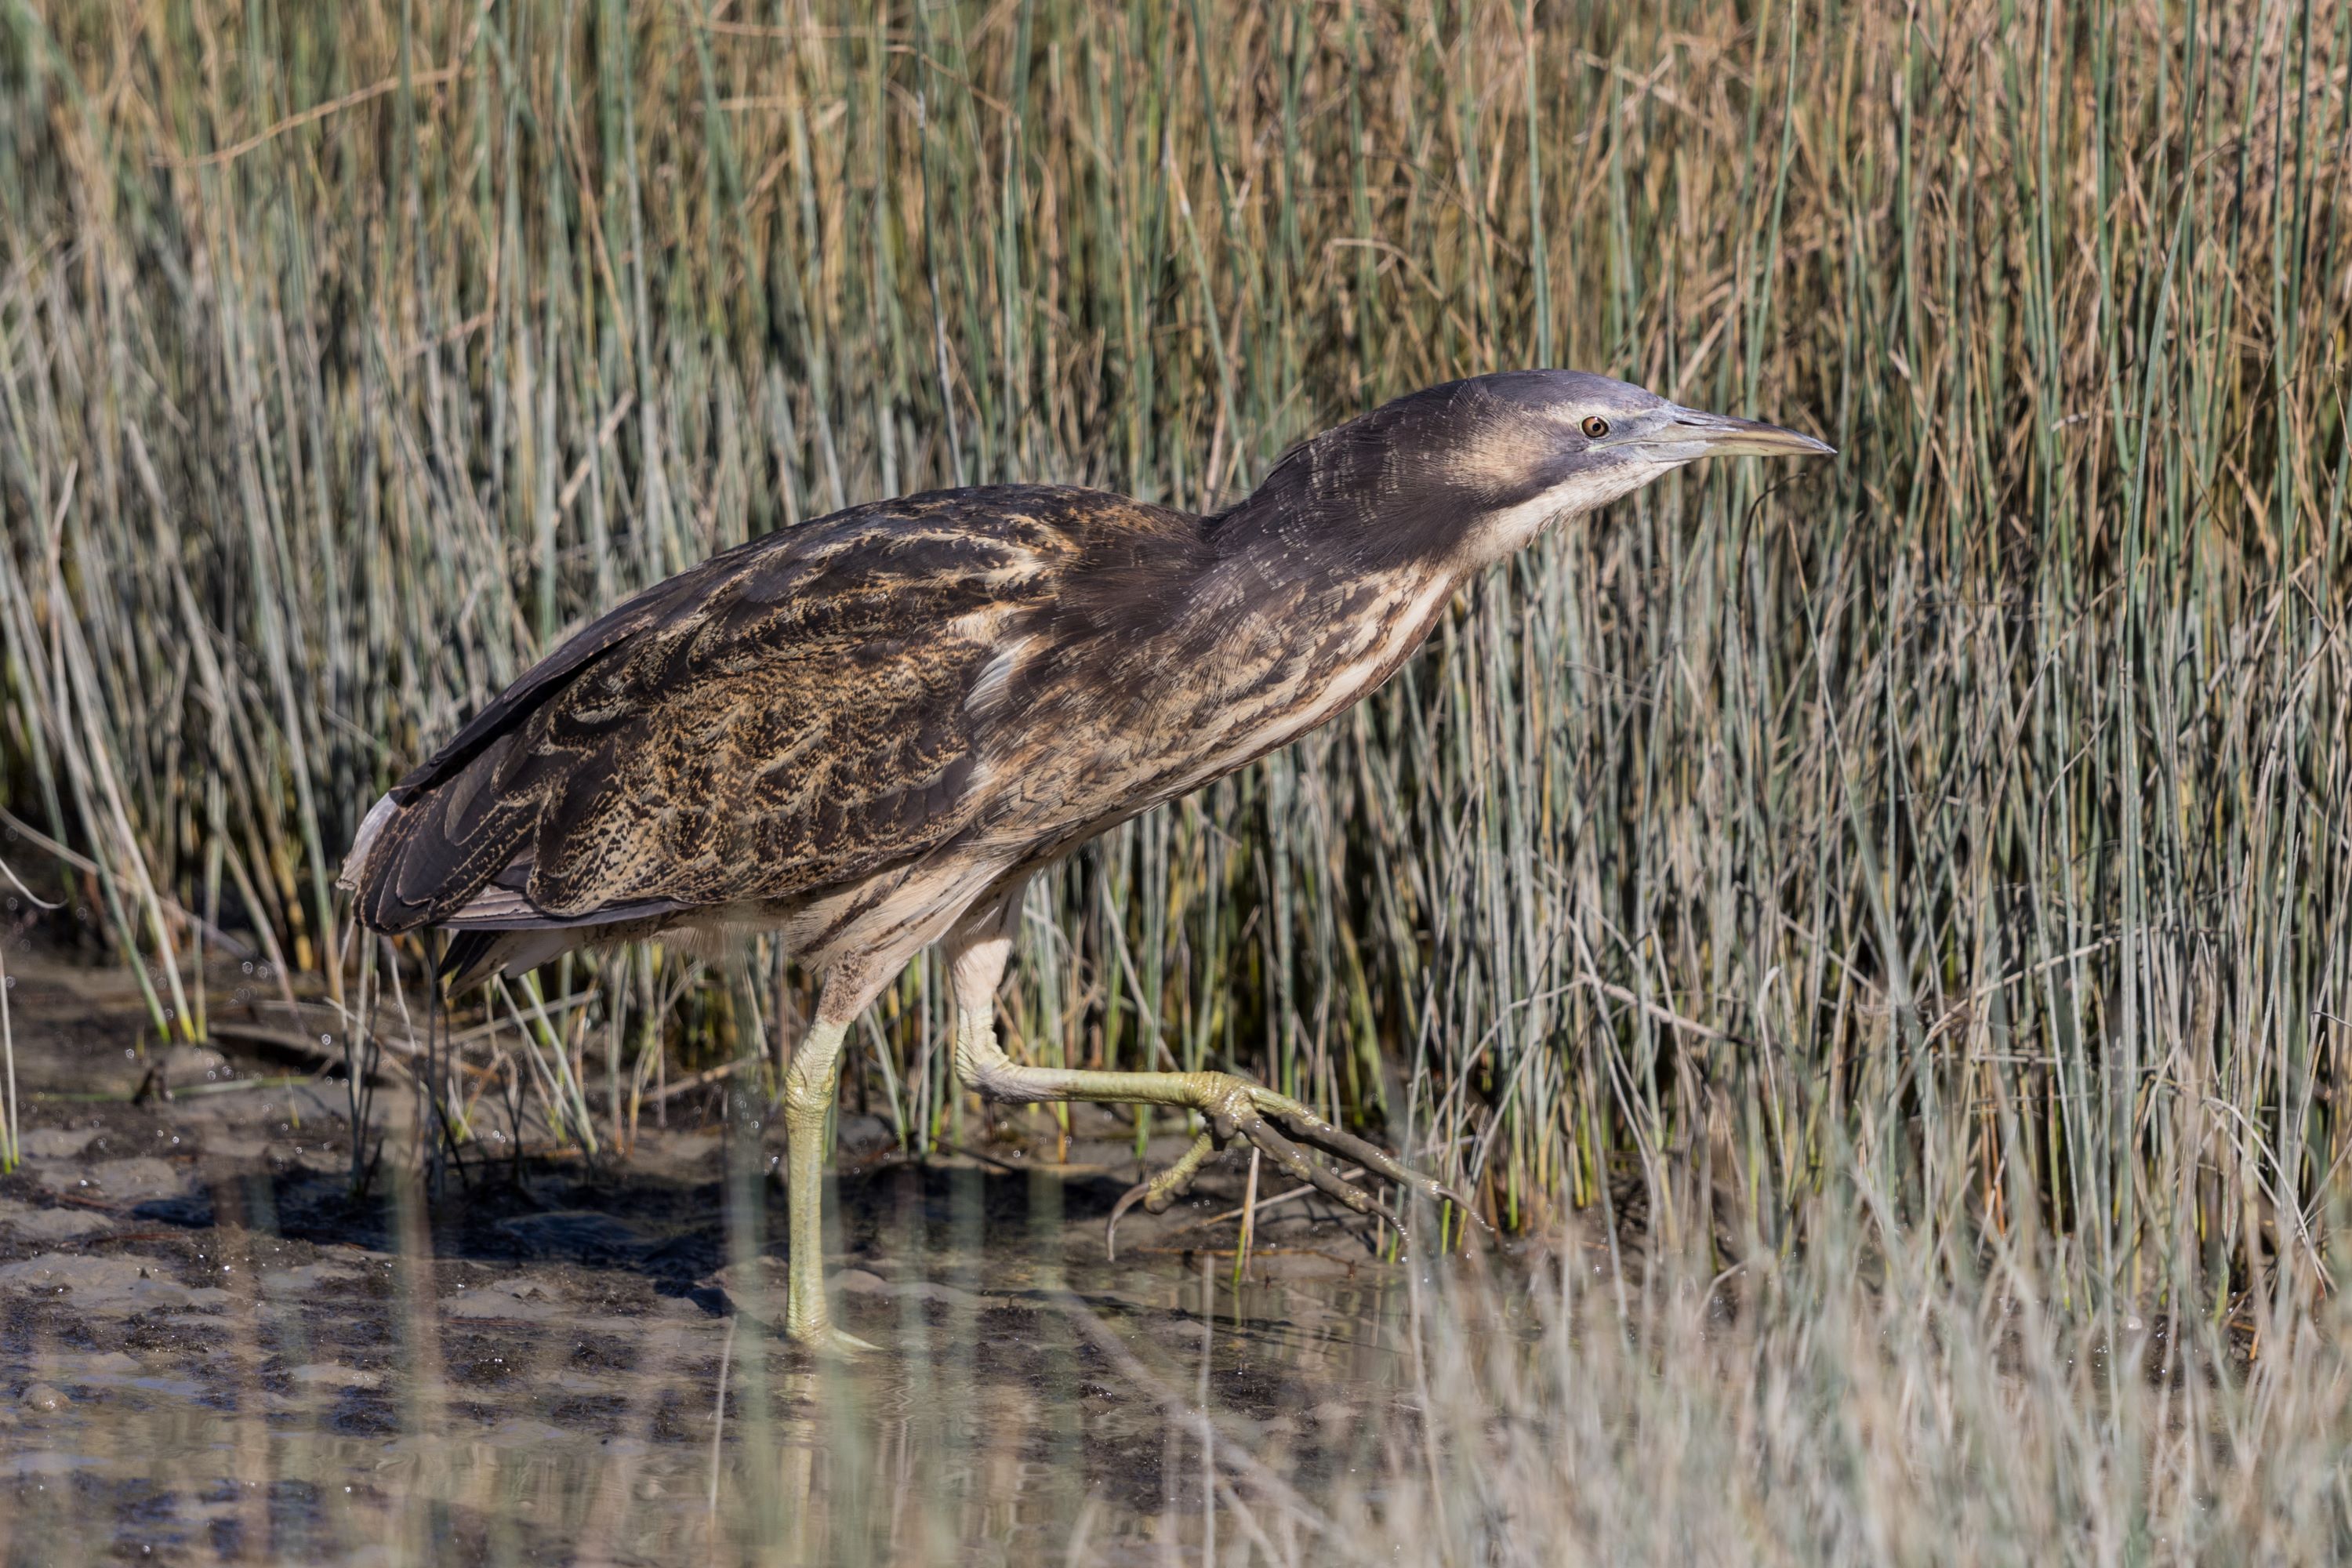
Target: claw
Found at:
x=1156, y=1192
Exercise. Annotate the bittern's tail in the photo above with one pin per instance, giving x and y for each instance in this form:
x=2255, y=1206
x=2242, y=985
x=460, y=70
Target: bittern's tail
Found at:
x=476, y=956
x=469, y=958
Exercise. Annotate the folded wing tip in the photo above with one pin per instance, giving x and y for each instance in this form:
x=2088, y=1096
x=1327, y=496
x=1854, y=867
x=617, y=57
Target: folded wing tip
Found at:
x=371, y=827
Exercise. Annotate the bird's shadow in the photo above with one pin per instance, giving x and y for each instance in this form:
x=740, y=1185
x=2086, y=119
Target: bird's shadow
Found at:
x=671, y=1230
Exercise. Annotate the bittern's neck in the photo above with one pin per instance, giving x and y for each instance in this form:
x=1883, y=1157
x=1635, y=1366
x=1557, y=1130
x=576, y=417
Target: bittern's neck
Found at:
x=1300, y=539
x=1354, y=511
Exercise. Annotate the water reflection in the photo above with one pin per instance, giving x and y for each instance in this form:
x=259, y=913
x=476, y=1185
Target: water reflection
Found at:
x=554, y=1392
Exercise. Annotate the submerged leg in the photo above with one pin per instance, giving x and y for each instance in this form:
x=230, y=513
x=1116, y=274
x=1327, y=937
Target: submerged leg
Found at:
x=809, y=1087
x=978, y=949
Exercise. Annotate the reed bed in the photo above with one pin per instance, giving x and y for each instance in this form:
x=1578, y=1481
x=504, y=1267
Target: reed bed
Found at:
x=1966, y=821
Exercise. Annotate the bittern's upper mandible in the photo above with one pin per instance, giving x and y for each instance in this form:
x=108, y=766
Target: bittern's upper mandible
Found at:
x=865, y=734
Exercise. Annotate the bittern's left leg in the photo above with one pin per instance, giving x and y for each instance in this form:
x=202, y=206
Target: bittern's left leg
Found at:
x=809, y=1088
x=977, y=951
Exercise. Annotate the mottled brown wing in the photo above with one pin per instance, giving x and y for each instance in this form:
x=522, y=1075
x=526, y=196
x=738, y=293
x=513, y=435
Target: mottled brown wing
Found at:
x=790, y=715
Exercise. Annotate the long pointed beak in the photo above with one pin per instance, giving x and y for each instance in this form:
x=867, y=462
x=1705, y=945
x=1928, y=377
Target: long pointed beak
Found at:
x=1721, y=436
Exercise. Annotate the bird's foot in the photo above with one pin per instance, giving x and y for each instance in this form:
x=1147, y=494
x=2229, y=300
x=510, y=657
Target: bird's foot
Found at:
x=825, y=1340
x=1250, y=1110
x=1236, y=1107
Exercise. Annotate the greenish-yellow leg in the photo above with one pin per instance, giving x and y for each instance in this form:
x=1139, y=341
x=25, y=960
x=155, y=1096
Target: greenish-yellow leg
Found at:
x=1231, y=1106
x=808, y=1097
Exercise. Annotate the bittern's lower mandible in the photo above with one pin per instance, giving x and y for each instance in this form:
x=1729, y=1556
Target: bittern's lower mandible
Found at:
x=864, y=735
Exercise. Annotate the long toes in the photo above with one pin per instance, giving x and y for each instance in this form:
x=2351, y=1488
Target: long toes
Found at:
x=1346, y=1145
x=832, y=1342
x=1312, y=1129
x=1293, y=1159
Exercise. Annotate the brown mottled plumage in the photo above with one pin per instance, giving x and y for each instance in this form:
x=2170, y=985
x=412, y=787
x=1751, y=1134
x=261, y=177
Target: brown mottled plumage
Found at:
x=794, y=715
x=865, y=733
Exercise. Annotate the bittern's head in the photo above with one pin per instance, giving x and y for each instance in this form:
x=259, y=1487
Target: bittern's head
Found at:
x=1470, y=471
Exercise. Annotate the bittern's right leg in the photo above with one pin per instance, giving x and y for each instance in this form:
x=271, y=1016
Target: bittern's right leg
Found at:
x=977, y=950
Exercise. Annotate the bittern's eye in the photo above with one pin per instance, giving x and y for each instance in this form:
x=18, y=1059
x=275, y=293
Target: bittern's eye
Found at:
x=1595, y=426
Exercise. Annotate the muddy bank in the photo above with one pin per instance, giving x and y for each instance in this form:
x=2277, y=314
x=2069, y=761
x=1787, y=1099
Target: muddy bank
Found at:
x=212, y=1349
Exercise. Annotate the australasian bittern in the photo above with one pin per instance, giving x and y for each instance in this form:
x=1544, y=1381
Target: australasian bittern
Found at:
x=864, y=735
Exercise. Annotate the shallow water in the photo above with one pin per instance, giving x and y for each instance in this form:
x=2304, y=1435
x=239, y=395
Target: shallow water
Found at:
x=208, y=1351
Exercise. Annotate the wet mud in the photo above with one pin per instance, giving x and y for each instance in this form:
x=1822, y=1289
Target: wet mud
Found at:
x=215, y=1346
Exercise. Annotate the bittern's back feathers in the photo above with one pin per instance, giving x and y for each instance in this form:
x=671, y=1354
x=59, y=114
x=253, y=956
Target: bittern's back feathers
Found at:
x=793, y=713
